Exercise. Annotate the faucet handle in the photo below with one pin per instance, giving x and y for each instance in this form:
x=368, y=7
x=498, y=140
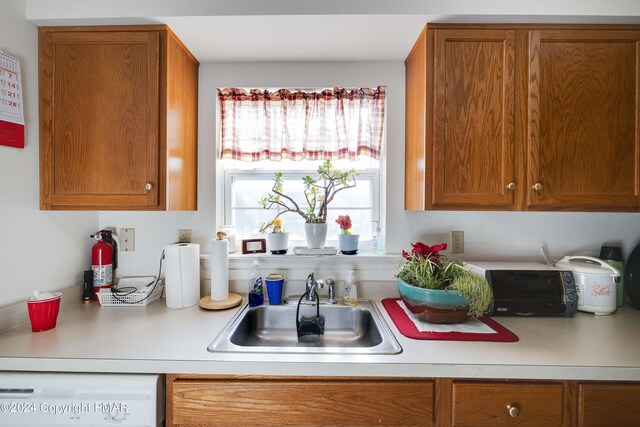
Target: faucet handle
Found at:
x=310, y=278
x=331, y=285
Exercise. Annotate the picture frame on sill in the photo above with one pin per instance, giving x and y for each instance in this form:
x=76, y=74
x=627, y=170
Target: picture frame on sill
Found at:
x=254, y=246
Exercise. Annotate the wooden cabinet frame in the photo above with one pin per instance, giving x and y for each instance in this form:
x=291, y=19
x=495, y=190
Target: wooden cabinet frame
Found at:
x=571, y=189
x=118, y=119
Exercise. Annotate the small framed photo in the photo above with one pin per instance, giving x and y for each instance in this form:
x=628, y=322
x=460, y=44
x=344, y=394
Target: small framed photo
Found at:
x=254, y=246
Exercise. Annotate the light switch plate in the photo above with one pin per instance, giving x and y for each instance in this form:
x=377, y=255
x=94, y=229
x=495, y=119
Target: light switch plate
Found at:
x=127, y=239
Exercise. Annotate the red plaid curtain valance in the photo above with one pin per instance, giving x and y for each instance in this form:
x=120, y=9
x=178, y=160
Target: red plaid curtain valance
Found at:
x=329, y=124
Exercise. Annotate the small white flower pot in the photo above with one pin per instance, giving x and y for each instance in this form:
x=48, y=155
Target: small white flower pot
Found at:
x=278, y=243
x=316, y=235
x=348, y=243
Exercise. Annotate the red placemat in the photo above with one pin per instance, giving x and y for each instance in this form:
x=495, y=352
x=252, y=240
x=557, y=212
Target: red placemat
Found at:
x=408, y=329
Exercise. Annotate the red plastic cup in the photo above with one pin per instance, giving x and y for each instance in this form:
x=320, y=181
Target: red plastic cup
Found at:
x=44, y=313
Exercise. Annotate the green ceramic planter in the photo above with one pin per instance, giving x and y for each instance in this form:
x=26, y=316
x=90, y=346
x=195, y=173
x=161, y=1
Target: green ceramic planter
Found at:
x=434, y=305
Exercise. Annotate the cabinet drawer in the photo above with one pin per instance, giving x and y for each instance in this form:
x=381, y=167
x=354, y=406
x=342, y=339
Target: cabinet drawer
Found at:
x=275, y=402
x=506, y=404
x=608, y=405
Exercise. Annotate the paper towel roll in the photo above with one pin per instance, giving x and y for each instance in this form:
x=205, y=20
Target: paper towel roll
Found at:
x=182, y=274
x=219, y=269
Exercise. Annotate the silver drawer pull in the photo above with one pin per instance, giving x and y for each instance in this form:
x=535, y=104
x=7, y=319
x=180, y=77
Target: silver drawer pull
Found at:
x=514, y=411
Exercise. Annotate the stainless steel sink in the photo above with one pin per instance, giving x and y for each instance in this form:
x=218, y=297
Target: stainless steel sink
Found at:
x=272, y=329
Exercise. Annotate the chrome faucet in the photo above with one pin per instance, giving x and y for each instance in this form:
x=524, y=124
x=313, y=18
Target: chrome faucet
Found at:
x=310, y=287
x=312, y=284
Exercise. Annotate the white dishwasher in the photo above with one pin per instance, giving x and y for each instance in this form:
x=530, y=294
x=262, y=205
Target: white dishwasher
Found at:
x=67, y=399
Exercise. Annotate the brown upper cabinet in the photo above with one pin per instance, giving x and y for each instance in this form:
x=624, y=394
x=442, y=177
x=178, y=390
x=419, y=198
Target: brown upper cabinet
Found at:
x=118, y=119
x=523, y=117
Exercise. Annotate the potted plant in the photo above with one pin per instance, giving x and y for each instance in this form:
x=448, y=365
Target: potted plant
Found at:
x=438, y=290
x=318, y=193
x=278, y=238
x=347, y=241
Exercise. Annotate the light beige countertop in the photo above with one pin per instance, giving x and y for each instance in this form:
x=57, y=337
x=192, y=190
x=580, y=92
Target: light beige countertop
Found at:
x=155, y=339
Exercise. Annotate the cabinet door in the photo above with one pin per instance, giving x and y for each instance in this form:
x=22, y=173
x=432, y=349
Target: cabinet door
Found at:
x=99, y=119
x=608, y=405
x=584, y=141
x=472, y=120
x=299, y=402
x=491, y=404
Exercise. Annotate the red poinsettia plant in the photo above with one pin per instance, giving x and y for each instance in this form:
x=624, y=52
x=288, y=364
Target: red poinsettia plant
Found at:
x=430, y=253
x=344, y=221
x=425, y=267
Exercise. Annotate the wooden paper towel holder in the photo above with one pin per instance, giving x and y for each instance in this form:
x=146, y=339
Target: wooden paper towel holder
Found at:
x=207, y=303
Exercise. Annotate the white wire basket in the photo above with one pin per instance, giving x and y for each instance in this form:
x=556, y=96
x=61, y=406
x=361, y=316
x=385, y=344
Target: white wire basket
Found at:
x=134, y=299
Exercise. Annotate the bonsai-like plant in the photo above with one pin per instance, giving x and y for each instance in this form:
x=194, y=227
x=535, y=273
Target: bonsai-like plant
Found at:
x=318, y=193
x=424, y=267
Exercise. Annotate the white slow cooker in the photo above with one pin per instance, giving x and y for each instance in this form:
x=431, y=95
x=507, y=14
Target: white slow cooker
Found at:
x=596, y=283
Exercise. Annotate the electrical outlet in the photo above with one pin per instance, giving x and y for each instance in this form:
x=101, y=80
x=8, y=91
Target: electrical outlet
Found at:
x=184, y=235
x=127, y=239
x=457, y=242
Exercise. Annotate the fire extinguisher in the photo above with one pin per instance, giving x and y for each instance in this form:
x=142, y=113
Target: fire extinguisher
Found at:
x=104, y=260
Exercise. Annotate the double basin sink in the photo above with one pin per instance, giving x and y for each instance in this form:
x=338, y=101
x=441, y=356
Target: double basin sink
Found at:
x=272, y=329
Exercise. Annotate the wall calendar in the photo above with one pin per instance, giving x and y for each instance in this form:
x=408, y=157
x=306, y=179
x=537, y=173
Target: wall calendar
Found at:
x=11, y=107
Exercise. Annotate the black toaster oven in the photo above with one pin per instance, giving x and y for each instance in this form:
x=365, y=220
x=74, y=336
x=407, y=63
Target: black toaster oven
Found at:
x=528, y=289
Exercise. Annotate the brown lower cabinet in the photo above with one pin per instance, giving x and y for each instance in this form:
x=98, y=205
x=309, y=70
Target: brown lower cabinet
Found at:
x=204, y=400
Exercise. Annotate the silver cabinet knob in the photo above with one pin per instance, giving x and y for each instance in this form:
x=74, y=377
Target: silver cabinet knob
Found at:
x=148, y=186
x=537, y=186
x=511, y=186
x=514, y=411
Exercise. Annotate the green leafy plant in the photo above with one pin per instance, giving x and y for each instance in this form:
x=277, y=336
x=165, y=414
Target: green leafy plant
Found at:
x=318, y=193
x=424, y=267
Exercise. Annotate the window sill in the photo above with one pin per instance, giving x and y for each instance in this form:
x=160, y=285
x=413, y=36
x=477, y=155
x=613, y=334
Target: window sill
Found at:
x=364, y=256
x=367, y=266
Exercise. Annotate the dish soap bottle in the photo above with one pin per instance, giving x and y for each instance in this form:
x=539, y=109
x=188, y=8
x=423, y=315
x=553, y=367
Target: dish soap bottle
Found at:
x=376, y=239
x=256, y=290
x=350, y=291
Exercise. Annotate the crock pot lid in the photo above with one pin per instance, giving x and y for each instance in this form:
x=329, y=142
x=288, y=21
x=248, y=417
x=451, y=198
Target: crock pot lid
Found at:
x=584, y=266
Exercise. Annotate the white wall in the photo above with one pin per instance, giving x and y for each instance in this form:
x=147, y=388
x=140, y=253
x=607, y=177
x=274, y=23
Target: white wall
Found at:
x=38, y=249
x=488, y=235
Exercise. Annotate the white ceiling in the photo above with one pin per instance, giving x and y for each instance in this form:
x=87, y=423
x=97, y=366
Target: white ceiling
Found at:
x=299, y=38
x=321, y=30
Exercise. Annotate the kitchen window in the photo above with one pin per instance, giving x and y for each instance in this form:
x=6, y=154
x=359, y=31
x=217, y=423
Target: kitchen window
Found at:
x=256, y=141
